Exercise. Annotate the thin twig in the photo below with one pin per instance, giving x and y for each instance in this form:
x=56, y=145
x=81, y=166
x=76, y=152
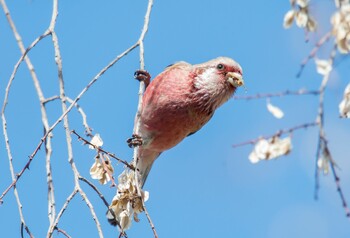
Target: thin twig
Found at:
x=88, y=130
x=278, y=133
x=103, y=151
x=50, y=99
x=339, y=190
x=92, y=211
x=14, y=72
x=313, y=52
x=60, y=213
x=63, y=232
x=25, y=227
x=122, y=234
x=9, y=155
x=278, y=94
x=94, y=188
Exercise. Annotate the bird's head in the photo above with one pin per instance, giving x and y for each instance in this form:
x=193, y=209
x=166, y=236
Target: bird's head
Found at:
x=217, y=80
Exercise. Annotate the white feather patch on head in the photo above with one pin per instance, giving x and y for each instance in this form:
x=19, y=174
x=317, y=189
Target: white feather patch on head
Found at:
x=207, y=80
x=212, y=89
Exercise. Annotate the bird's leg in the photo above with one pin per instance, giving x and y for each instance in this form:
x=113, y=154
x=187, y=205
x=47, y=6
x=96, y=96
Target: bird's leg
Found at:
x=142, y=75
x=134, y=141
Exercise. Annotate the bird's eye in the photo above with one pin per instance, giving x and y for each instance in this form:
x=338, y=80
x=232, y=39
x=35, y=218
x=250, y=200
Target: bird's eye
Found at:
x=220, y=66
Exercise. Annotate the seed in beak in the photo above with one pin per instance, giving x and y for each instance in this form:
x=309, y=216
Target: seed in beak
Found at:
x=235, y=79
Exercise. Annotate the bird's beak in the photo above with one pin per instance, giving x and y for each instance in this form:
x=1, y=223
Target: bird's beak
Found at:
x=235, y=79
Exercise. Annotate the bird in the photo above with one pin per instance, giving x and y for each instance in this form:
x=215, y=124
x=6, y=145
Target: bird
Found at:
x=176, y=104
x=179, y=102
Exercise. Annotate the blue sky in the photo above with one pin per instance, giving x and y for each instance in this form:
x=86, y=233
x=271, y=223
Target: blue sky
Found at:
x=202, y=187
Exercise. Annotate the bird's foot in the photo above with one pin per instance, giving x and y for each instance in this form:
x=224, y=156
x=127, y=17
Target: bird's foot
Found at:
x=134, y=141
x=142, y=75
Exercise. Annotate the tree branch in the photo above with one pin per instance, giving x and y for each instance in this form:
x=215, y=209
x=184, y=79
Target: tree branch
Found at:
x=278, y=94
x=278, y=133
x=138, y=113
x=103, y=151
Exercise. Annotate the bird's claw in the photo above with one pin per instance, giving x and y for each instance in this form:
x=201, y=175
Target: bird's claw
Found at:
x=134, y=141
x=142, y=75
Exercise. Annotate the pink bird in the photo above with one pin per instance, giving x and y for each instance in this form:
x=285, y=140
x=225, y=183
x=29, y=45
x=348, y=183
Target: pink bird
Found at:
x=179, y=102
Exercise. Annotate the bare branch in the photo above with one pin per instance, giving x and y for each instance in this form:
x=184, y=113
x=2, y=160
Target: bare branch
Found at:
x=9, y=155
x=50, y=99
x=339, y=190
x=96, y=190
x=88, y=130
x=63, y=232
x=322, y=141
x=320, y=120
x=313, y=52
x=138, y=113
x=278, y=133
x=278, y=94
x=25, y=227
x=58, y=61
x=51, y=197
x=14, y=72
x=103, y=151
x=60, y=213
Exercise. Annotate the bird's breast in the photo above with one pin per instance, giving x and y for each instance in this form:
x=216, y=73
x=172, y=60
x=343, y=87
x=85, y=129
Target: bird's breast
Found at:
x=164, y=126
x=171, y=110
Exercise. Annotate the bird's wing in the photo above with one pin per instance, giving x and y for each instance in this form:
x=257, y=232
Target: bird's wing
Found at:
x=177, y=64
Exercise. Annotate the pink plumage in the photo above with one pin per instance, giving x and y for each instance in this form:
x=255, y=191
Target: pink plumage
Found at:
x=179, y=101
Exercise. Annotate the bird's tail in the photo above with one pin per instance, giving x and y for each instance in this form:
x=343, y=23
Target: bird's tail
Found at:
x=143, y=166
x=144, y=163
